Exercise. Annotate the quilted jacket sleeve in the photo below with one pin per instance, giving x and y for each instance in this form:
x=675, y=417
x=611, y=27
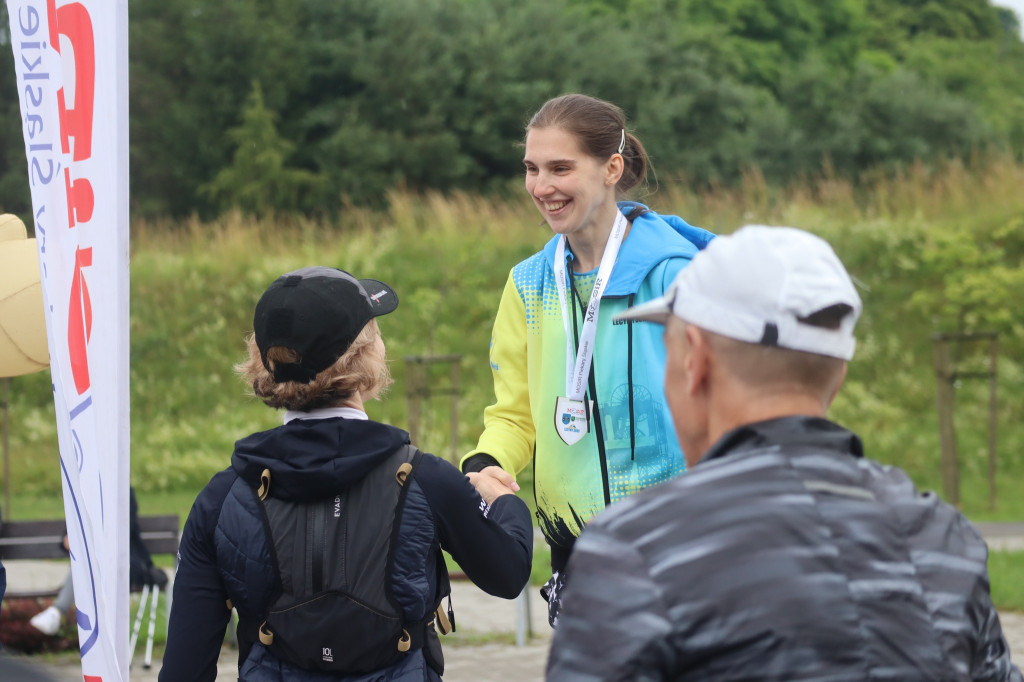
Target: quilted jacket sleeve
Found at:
x=199, y=615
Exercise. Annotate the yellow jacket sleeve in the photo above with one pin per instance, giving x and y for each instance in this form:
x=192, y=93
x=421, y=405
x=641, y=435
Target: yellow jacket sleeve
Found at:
x=509, y=432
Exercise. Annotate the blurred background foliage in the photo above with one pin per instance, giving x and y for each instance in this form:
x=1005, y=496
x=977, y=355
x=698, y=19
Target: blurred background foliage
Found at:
x=307, y=105
x=931, y=250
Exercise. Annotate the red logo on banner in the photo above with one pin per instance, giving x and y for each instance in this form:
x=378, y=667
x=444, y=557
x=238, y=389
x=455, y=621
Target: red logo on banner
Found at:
x=73, y=22
x=93, y=678
x=80, y=198
x=80, y=321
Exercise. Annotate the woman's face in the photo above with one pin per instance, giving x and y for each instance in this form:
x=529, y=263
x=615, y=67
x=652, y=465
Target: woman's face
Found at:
x=571, y=189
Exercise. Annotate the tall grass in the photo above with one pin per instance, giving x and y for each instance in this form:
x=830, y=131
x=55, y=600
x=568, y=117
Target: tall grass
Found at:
x=194, y=285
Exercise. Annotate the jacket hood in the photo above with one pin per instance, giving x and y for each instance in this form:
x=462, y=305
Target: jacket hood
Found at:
x=652, y=239
x=315, y=458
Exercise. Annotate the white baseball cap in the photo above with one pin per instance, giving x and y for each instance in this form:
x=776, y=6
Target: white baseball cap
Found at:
x=765, y=285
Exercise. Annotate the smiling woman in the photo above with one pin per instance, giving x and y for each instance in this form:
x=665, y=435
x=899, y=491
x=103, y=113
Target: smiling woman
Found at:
x=580, y=395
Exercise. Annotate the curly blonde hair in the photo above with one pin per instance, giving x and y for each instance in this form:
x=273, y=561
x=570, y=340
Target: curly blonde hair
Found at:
x=363, y=368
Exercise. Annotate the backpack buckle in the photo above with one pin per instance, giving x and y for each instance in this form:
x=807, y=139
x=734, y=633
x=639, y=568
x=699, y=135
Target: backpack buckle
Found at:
x=266, y=636
x=405, y=642
x=264, y=485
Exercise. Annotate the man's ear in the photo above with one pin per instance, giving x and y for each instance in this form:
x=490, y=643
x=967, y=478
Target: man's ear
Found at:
x=698, y=360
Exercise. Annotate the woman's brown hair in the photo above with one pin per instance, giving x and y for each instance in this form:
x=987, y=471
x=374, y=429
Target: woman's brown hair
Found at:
x=600, y=128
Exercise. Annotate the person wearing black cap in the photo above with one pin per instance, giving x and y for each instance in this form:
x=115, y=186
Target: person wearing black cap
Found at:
x=333, y=505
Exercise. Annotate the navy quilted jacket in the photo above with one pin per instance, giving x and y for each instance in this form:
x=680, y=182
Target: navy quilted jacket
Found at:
x=224, y=554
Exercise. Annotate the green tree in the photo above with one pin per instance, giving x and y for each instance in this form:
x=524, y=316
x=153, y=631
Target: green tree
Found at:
x=869, y=118
x=258, y=180
x=14, y=190
x=434, y=94
x=1010, y=22
x=986, y=73
x=192, y=64
x=977, y=282
x=895, y=24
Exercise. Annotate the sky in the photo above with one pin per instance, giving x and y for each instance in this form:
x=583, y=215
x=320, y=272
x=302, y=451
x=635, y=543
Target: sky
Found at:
x=1017, y=6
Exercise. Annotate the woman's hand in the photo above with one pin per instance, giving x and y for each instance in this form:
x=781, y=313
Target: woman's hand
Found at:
x=492, y=482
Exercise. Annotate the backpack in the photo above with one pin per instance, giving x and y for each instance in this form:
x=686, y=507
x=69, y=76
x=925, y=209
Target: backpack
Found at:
x=333, y=559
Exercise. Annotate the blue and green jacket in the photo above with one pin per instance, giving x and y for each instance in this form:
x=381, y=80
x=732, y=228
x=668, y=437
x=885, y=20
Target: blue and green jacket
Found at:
x=631, y=443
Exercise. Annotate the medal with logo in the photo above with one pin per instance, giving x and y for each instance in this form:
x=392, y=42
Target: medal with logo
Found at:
x=572, y=411
x=572, y=419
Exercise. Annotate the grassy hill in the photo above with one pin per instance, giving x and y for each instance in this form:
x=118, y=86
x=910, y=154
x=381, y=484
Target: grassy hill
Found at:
x=933, y=250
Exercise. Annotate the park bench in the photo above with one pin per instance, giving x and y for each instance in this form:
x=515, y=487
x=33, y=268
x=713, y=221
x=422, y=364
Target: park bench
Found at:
x=41, y=539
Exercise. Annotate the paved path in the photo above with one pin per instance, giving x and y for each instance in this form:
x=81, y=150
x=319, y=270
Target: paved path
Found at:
x=482, y=650
x=479, y=617
x=1003, y=536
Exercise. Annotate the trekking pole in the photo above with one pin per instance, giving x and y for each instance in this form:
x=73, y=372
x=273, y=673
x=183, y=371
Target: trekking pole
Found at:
x=524, y=629
x=152, y=628
x=138, y=623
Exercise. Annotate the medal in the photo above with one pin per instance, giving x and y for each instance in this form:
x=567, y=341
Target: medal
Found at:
x=571, y=420
x=572, y=413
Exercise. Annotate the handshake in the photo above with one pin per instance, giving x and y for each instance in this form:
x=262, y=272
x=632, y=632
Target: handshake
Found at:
x=489, y=479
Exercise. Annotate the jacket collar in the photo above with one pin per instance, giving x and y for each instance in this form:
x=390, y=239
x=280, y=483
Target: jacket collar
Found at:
x=797, y=430
x=325, y=413
x=652, y=239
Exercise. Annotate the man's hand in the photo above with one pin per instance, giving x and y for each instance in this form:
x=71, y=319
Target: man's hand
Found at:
x=492, y=482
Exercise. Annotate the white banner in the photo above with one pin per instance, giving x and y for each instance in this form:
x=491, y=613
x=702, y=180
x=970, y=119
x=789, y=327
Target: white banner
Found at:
x=72, y=64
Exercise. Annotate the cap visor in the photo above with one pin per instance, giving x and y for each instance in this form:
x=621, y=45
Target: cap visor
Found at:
x=652, y=311
x=383, y=298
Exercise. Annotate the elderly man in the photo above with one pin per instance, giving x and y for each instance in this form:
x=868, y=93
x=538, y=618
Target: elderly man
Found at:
x=784, y=553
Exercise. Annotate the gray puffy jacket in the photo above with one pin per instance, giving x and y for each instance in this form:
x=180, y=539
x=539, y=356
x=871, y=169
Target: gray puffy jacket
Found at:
x=784, y=555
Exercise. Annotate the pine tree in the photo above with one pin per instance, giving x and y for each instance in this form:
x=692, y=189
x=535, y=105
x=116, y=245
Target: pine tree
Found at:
x=258, y=180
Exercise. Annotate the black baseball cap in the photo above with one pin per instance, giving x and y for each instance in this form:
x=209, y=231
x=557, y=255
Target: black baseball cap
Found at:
x=317, y=312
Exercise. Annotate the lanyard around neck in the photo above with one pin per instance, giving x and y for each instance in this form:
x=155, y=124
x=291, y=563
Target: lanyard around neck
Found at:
x=577, y=368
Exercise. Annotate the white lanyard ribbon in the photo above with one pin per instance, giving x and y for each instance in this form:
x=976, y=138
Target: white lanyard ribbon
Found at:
x=577, y=370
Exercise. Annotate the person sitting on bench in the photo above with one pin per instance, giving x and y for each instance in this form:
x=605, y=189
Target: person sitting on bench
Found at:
x=141, y=572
